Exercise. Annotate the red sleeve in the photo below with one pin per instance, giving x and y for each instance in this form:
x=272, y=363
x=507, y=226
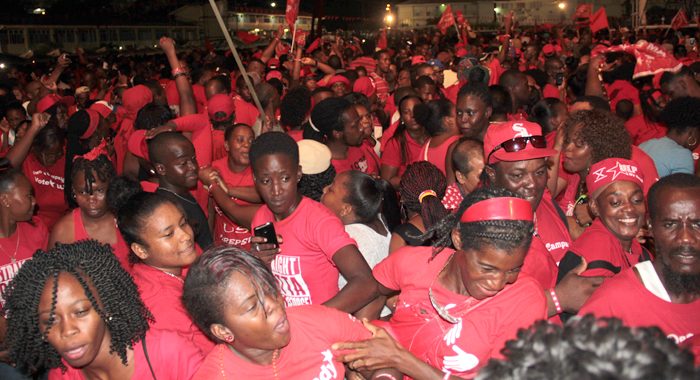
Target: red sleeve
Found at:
x=329, y=233
x=387, y=273
x=496, y=71
x=598, y=304
x=199, y=98
x=171, y=94
x=392, y=154
x=173, y=354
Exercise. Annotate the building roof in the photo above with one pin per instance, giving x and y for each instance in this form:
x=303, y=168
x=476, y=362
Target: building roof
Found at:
x=262, y=11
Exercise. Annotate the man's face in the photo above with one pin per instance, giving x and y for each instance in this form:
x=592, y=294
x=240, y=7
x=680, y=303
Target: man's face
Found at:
x=676, y=232
x=383, y=63
x=674, y=89
x=521, y=91
x=82, y=100
x=90, y=80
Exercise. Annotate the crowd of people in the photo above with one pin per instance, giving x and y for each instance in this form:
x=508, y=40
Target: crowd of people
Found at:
x=521, y=205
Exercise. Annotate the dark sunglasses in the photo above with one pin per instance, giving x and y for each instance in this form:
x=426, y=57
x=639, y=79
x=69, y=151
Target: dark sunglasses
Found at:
x=519, y=143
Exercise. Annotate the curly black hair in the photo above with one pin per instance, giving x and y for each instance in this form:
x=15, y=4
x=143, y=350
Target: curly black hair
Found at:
x=93, y=265
x=100, y=168
x=590, y=348
x=681, y=114
x=507, y=235
x=312, y=185
x=206, y=283
x=273, y=143
x=295, y=107
x=602, y=131
x=419, y=177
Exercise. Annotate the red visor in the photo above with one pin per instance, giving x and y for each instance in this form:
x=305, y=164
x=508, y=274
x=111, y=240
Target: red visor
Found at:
x=506, y=208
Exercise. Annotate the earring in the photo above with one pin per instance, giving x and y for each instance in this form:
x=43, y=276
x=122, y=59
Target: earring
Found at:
x=229, y=339
x=694, y=141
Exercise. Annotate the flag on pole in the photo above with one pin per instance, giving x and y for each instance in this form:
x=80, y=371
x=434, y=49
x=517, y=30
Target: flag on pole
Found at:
x=680, y=20
x=460, y=17
x=583, y=11
x=447, y=20
x=382, y=40
x=292, y=12
x=599, y=20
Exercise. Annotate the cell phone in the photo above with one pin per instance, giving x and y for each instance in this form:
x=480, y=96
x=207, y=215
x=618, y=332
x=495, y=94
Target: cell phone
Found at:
x=560, y=79
x=267, y=231
x=692, y=42
x=352, y=42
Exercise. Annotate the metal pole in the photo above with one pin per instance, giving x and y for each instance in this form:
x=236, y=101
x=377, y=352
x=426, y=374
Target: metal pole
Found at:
x=238, y=60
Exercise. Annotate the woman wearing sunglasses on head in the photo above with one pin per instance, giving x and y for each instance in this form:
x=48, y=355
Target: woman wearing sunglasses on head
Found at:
x=457, y=308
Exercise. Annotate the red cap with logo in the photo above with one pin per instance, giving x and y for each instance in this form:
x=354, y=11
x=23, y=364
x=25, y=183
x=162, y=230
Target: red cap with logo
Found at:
x=610, y=170
x=220, y=103
x=498, y=134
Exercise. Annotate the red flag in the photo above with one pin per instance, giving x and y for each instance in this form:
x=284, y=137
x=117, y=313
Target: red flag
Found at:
x=447, y=20
x=460, y=17
x=281, y=49
x=651, y=58
x=300, y=38
x=292, y=12
x=583, y=11
x=599, y=20
x=679, y=20
x=247, y=37
x=382, y=40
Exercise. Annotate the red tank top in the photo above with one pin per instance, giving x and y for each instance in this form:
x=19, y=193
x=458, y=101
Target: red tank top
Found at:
x=121, y=250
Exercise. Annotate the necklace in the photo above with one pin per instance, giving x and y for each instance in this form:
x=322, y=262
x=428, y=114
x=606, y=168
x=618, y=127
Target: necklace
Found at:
x=442, y=312
x=275, y=353
x=179, y=196
x=13, y=258
x=173, y=276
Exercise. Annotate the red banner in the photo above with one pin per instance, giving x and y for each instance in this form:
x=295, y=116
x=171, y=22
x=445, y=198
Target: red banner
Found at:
x=300, y=37
x=651, y=58
x=460, y=17
x=292, y=12
x=447, y=20
x=281, y=49
x=679, y=20
x=599, y=20
x=583, y=11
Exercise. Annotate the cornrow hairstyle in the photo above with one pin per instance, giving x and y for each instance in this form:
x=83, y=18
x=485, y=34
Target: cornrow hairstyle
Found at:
x=100, y=168
x=477, y=89
x=295, y=107
x=371, y=196
x=93, y=265
x=590, y=348
x=327, y=116
x=400, y=133
x=507, y=235
x=273, y=143
x=312, y=185
x=672, y=181
x=419, y=177
x=433, y=114
x=206, y=284
x=602, y=131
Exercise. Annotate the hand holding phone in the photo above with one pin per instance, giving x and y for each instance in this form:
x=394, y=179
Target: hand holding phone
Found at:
x=265, y=243
x=560, y=79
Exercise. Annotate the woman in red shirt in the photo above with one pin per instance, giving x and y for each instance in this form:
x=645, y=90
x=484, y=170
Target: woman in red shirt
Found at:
x=75, y=311
x=234, y=297
x=438, y=117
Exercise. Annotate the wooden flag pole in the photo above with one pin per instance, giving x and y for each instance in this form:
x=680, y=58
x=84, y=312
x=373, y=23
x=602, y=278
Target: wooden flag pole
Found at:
x=459, y=34
x=294, y=35
x=238, y=60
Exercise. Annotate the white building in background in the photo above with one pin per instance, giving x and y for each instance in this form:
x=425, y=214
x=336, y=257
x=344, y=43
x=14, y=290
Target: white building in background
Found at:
x=417, y=13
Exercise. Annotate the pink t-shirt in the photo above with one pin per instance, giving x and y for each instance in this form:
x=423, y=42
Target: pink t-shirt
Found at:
x=624, y=296
x=305, y=269
x=437, y=156
x=226, y=231
x=485, y=326
x=171, y=355
x=26, y=240
x=307, y=356
x=48, y=188
x=392, y=153
x=162, y=295
x=357, y=160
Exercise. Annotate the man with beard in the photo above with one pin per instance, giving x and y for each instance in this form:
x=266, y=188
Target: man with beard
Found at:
x=664, y=292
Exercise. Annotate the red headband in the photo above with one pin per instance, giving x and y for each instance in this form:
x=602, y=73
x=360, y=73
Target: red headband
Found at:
x=95, y=152
x=498, y=209
x=94, y=121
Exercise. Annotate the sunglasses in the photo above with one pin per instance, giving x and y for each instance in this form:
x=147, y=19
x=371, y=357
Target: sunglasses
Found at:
x=519, y=143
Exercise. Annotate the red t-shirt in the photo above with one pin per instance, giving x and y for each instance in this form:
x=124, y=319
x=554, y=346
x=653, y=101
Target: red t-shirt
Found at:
x=200, y=98
x=149, y=187
x=162, y=294
x=486, y=325
x=625, y=297
x=437, y=155
x=551, y=228
x=620, y=90
x=296, y=134
x=550, y=91
x=357, y=160
x=218, y=140
x=307, y=356
x=392, y=153
x=202, y=139
x=172, y=94
x=304, y=268
x=642, y=129
x=246, y=113
x=226, y=231
x=48, y=188
x=121, y=250
x=26, y=240
x=171, y=355
x=599, y=244
x=496, y=71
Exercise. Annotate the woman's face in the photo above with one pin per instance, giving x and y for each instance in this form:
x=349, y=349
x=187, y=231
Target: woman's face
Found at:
x=365, y=121
x=49, y=157
x=485, y=273
x=238, y=145
x=276, y=179
x=621, y=209
x=334, y=195
x=62, y=116
x=577, y=155
x=406, y=110
x=20, y=200
x=92, y=205
x=339, y=89
x=77, y=331
x=101, y=133
x=353, y=132
x=252, y=325
x=404, y=79
x=169, y=240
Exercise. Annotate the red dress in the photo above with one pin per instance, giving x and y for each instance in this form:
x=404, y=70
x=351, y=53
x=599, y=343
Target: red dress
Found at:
x=121, y=250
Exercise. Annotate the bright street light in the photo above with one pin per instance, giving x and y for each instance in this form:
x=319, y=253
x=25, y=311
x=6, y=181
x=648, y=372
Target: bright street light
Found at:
x=562, y=5
x=389, y=18
x=273, y=5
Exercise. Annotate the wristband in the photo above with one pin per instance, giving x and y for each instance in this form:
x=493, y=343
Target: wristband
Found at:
x=177, y=70
x=178, y=75
x=212, y=186
x=447, y=374
x=315, y=63
x=556, y=300
x=507, y=35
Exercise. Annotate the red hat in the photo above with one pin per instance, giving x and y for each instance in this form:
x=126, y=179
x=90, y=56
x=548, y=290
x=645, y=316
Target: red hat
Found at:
x=50, y=100
x=273, y=63
x=366, y=86
x=505, y=208
x=313, y=46
x=102, y=107
x=608, y=171
x=338, y=78
x=306, y=72
x=548, y=49
x=273, y=74
x=94, y=122
x=416, y=59
x=135, y=98
x=137, y=144
x=257, y=55
x=220, y=103
x=461, y=52
x=497, y=134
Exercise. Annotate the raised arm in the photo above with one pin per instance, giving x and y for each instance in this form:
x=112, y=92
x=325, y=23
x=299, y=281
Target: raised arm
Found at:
x=269, y=51
x=505, y=46
x=187, y=104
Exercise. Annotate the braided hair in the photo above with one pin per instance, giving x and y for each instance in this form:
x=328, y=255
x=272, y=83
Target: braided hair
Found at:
x=433, y=114
x=206, y=283
x=327, y=116
x=312, y=185
x=100, y=168
x=400, y=133
x=507, y=235
x=419, y=177
x=93, y=265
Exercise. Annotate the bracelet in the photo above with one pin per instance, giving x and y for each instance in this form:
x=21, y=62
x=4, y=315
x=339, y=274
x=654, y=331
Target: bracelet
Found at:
x=178, y=75
x=579, y=222
x=556, y=300
x=447, y=374
x=507, y=35
x=178, y=70
x=315, y=63
x=212, y=186
x=385, y=376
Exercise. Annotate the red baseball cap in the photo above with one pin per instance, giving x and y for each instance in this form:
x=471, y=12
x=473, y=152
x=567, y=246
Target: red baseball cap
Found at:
x=365, y=86
x=497, y=134
x=50, y=100
x=416, y=59
x=273, y=74
x=273, y=63
x=548, y=49
x=610, y=170
x=102, y=107
x=220, y=103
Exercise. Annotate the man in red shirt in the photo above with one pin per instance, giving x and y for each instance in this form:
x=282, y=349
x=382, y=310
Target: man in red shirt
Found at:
x=383, y=61
x=664, y=292
x=553, y=67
